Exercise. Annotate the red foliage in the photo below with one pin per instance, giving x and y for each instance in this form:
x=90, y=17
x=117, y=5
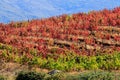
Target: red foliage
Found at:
x=34, y=33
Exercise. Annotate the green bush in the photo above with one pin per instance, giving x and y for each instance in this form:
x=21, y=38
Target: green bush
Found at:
x=40, y=76
x=2, y=78
x=72, y=77
x=97, y=75
x=30, y=76
x=94, y=75
x=57, y=76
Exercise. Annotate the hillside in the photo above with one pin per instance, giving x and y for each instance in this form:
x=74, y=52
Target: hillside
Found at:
x=67, y=42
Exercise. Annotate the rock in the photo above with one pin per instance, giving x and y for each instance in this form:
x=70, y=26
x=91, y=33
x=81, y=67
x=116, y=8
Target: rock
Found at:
x=89, y=47
x=54, y=72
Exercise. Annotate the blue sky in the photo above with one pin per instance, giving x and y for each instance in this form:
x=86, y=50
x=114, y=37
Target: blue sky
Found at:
x=17, y=10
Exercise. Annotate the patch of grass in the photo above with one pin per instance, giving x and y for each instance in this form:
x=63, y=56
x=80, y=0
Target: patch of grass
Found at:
x=94, y=75
x=2, y=78
x=97, y=75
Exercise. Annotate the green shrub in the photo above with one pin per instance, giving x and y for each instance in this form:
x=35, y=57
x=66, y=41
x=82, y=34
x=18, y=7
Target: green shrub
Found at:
x=30, y=76
x=94, y=75
x=97, y=75
x=2, y=78
x=57, y=76
x=72, y=77
x=40, y=76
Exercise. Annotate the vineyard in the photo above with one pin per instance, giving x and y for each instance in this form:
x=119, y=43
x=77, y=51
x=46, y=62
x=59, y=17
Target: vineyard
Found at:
x=68, y=42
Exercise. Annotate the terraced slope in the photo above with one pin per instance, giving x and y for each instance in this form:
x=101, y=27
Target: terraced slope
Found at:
x=83, y=34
